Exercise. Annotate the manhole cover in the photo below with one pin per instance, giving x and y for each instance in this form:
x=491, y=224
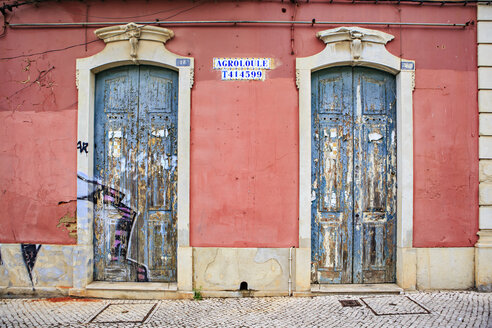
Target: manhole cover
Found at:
x=124, y=312
x=394, y=305
x=350, y=303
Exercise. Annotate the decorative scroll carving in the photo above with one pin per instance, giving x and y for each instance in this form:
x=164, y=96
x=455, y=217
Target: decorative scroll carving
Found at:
x=133, y=33
x=298, y=77
x=77, y=78
x=356, y=45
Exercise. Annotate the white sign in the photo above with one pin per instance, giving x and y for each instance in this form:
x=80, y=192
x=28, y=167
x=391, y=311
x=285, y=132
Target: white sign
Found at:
x=242, y=68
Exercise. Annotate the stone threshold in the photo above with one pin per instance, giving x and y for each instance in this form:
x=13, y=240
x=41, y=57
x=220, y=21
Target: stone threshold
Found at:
x=131, y=290
x=322, y=289
x=132, y=286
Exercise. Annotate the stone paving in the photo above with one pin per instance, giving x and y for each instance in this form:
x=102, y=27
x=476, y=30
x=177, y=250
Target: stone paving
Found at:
x=422, y=309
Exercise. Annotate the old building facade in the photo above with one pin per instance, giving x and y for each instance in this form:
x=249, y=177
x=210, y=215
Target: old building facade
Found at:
x=152, y=149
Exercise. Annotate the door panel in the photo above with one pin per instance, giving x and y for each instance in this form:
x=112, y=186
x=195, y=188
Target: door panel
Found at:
x=331, y=176
x=135, y=235
x=375, y=174
x=354, y=176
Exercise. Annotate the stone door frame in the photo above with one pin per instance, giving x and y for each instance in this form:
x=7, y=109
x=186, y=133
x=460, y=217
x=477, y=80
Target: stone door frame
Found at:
x=131, y=44
x=355, y=46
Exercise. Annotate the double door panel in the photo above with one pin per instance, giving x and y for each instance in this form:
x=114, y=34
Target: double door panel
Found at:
x=353, y=176
x=136, y=165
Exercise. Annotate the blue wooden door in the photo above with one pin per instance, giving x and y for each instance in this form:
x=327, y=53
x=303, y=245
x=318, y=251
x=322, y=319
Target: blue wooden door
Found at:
x=136, y=166
x=353, y=176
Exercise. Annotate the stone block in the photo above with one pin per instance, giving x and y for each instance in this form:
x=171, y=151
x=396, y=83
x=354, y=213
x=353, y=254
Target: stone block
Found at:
x=483, y=263
x=303, y=270
x=406, y=266
x=485, y=218
x=445, y=268
x=14, y=270
x=185, y=268
x=485, y=121
x=485, y=101
x=485, y=147
x=484, y=55
x=54, y=266
x=226, y=268
x=485, y=73
x=485, y=170
x=484, y=12
x=485, y=193
x=82, y=266
x=483, y=32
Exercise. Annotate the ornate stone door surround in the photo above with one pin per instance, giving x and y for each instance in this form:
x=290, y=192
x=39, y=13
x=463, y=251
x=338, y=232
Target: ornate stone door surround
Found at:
x=130, y=44
x=356, y=46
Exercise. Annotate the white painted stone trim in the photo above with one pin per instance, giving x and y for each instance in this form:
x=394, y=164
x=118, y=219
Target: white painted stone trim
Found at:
x=128, y=45
x=483, y=247
x=355, y=46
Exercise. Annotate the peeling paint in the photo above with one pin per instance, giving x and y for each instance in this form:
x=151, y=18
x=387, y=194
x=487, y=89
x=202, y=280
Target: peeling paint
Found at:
x=375, y=136
x=136, y=122
x=68, y=222
x=353, y=229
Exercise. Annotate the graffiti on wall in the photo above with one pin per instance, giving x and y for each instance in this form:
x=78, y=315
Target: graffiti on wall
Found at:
x=99, y=192
x=82, y=147
x=29, y=255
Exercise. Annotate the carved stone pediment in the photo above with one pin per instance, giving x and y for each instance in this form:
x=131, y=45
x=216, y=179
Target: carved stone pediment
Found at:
x=357, y=36
x=345, y=33
x=134, y=33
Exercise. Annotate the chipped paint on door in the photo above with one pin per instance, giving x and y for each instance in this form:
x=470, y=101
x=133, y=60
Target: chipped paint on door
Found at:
x=353, y=176
x=136, y=157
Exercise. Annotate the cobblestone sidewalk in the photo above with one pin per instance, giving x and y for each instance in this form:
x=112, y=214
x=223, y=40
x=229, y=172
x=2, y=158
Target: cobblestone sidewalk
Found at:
x=430, y=309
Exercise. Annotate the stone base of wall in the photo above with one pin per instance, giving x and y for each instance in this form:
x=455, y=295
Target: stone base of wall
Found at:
x=52, y=266
x=261, y=269
x=445, y=268
x=483, y=261
x=219, y=272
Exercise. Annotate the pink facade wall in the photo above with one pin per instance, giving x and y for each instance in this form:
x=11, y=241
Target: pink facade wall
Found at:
x=244, y=135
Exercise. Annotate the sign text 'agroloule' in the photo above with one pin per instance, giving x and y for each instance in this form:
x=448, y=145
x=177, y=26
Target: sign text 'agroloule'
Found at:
x=242, y=68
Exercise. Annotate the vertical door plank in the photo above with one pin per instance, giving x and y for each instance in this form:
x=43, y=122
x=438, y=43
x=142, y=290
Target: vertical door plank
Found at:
x=116, y=116
x=331, y=207
x=375, y=176
x=158, y=144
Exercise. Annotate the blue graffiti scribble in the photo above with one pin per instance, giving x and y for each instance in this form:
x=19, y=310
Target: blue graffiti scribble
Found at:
x=29, y=254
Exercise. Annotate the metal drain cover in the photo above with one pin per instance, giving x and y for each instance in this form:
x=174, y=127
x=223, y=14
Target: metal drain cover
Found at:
x=124, y=312
x=394, y=305
x=346, y=303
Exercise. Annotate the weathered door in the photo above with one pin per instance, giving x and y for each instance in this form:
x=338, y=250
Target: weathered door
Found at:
x=353, y=176
x=136, y=166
